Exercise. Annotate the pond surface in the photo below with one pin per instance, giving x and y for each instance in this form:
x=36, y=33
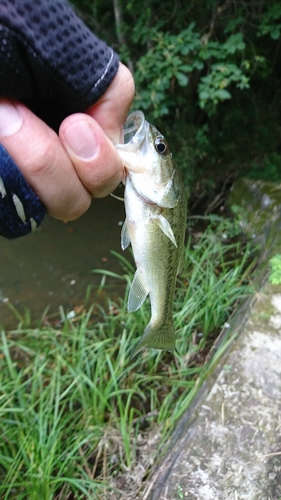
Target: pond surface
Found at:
x=53, y=266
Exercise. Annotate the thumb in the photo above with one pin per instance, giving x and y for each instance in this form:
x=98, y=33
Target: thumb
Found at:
x=112, y=109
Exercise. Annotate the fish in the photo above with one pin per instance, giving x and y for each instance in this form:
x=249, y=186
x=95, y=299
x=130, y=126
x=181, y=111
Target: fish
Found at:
x=156, y=210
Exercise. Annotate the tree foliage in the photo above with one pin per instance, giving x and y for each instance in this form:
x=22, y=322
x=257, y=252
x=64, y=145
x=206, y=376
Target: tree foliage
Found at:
x=207, y=75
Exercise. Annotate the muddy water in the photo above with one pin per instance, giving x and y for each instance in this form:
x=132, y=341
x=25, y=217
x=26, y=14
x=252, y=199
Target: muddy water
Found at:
x=53, y=266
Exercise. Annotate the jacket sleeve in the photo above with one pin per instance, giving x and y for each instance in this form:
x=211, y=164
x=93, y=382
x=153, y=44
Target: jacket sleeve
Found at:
x=50, y=60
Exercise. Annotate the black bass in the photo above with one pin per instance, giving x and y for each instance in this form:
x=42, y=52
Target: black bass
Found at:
x=155, y=204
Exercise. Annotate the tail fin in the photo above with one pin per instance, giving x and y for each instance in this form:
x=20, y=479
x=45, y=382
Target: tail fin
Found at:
x=157, y=337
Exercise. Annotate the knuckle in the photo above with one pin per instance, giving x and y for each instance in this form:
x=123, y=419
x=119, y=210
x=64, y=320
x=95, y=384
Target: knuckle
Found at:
x=41, y=155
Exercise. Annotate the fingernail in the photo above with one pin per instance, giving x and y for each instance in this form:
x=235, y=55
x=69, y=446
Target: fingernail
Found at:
x=81, y=139
x=10, y=119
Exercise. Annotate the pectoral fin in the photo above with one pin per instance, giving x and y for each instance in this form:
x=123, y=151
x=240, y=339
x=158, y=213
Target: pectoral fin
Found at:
x=166, y=228
x=125, y=238
x=138, y=293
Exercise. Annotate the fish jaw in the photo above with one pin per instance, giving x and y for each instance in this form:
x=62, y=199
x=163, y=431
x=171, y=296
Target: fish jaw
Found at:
x=131, y=161
x=161, y=192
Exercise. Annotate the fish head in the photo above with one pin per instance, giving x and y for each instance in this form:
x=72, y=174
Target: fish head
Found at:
x=162, y=175
x=149, y=162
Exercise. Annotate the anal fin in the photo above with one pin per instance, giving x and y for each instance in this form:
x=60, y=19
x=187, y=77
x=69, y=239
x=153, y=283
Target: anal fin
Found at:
x=138, y=293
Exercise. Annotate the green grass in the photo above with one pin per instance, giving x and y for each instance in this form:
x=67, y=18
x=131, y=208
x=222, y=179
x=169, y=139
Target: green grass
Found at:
x=77, y=417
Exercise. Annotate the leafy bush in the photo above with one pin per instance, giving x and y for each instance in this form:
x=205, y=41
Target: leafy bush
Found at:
x=208, y=68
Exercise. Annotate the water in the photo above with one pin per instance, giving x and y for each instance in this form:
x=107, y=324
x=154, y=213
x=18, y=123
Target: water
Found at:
x=53, y=266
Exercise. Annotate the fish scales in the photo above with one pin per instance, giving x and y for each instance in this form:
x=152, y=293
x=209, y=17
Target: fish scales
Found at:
x=155, y=204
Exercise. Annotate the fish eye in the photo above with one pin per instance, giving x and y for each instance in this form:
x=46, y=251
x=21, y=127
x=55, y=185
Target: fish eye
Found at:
x=161, y=146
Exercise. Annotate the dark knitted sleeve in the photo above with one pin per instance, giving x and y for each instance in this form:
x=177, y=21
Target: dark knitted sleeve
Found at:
x=50, y=60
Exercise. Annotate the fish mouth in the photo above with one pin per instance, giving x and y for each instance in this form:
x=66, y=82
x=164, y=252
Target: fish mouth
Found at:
x=135, y=131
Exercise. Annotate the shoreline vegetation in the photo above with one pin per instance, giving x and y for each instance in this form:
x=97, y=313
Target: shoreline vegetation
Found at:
x=78, y=418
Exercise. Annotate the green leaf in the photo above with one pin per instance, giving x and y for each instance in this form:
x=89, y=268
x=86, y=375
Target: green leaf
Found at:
x=275, y=32
x=187, y=67
x=204, y=95
x=198, y=64
x=223, y=94
x=233, y=43
x=181, y=78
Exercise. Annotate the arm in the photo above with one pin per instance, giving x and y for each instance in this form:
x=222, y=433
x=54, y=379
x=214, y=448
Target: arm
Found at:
x=64, y=170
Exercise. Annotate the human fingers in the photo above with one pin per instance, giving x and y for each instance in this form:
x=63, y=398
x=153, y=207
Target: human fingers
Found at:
x=92, y=154
x=43, y=161
x=112, y=109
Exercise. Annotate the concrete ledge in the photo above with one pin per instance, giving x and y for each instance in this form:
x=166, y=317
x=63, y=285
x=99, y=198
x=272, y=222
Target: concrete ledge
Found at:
x=232, y=449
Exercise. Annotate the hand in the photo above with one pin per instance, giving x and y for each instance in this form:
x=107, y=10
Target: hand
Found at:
x=66, y=170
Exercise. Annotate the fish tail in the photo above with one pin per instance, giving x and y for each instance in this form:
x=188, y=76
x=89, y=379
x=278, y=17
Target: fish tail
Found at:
x=157, y=337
